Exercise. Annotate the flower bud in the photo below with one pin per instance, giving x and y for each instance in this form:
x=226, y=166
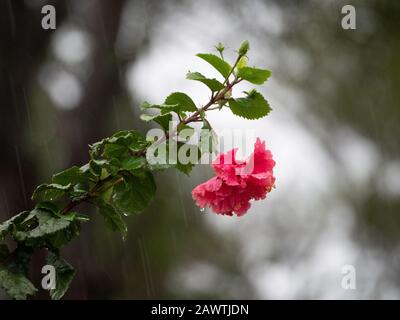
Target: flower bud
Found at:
x=220, y=47
x=244, y=48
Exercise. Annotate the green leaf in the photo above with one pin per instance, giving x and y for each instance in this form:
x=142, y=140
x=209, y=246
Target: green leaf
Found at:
x=181, y=101
x=119, y=145
x=48, y=225
x=129, y=138
x=213, y=84
x=73, y=182
x=253, y=106
x=162, y=119
x=72, y=175
x=64, y=236
x=115, y=150
x=13, y=272
x=107, y=194
x=222, y=66
x=114, y=166
x=135, y=193
x=112, y=217
x=47, y=206
x=16, y=285
x=254, y=75
x=133, y=163
x=64, y=275
x=105, y=168
x=7, y=226
x=123, y=143
x=128, y=142
x=146, y=105
x=96, y=166
x=164, y=108
x=50, y=192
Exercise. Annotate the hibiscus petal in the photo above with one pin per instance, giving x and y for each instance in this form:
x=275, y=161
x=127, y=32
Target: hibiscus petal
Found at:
x=232, y=189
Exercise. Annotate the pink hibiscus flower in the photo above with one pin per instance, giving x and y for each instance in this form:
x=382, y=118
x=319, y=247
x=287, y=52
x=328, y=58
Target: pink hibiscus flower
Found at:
x=237, y=182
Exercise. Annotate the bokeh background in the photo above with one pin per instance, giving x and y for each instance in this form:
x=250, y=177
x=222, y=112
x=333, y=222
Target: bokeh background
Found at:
x=334, y=132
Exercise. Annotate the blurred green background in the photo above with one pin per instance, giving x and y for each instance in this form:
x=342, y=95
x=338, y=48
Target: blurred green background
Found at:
x=334, y=132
